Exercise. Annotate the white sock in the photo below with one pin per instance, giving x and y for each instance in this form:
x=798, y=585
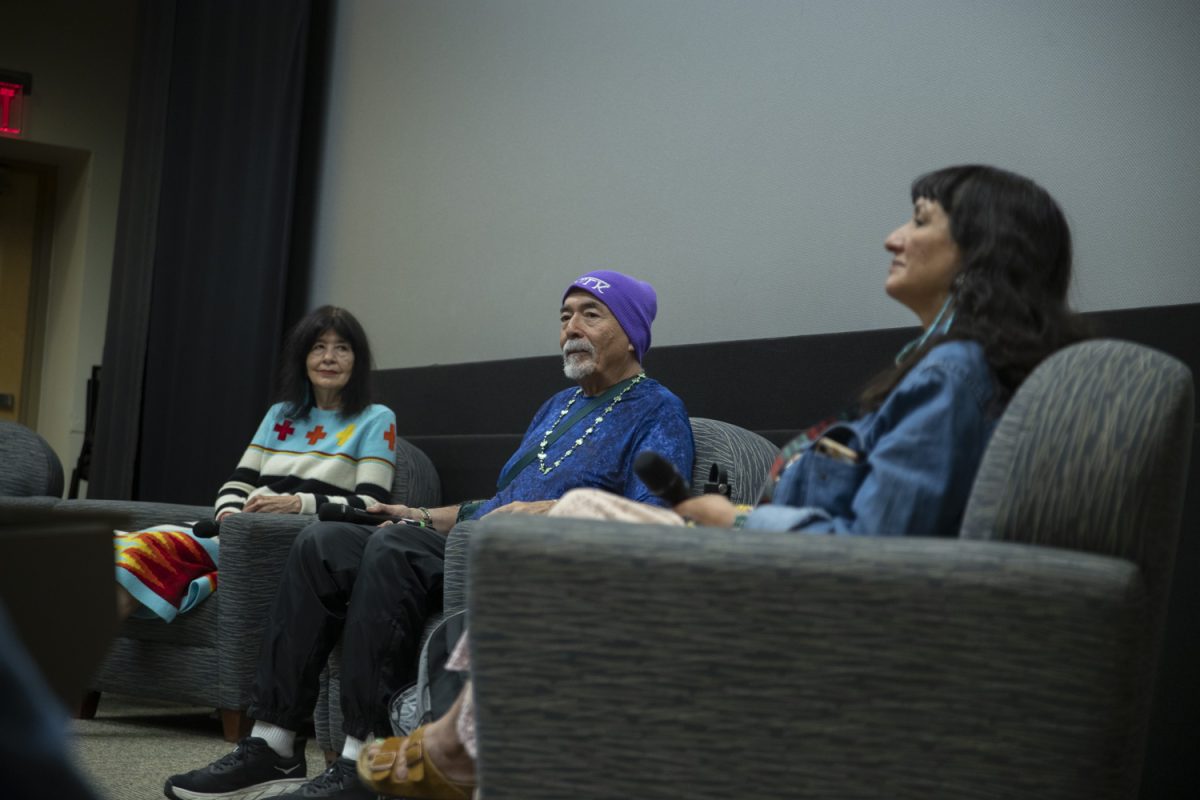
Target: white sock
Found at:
x=352, y=748
x=281, y=740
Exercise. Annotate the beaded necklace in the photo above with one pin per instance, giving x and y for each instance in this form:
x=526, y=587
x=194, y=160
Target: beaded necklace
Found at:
x=546, y=470
x=937, y=326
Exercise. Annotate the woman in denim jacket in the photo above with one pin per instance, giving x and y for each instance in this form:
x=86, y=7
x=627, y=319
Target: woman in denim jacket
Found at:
x=985, y=263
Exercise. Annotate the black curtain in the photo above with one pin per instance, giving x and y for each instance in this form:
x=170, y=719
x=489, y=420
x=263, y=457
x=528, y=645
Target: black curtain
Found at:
x=207, y=271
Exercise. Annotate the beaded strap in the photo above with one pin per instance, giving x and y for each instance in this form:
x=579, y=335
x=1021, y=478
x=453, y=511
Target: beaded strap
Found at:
x=541, y=455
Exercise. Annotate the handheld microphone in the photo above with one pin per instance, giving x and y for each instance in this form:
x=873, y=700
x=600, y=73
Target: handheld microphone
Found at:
x=206, y=528
x=661, y=477
x=340, y=512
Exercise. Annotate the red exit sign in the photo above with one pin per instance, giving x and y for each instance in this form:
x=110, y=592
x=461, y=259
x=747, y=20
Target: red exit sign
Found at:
x=14, y=90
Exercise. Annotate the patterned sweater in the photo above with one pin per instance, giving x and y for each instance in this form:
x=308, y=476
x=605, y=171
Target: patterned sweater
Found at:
x=322, y=459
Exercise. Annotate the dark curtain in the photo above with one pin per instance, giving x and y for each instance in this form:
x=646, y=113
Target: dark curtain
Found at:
x=206, y=275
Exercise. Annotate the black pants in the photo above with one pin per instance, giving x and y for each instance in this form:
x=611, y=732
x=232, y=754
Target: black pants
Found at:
x=374, y=587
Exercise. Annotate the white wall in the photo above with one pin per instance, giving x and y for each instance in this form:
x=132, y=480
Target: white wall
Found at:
x=748, y=157
x=80, y=56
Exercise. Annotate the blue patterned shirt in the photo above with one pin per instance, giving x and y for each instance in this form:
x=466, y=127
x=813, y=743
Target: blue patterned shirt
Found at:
x=649, y=417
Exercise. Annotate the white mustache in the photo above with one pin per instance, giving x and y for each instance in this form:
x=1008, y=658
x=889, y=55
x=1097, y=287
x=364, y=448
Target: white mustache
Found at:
x=578, y=346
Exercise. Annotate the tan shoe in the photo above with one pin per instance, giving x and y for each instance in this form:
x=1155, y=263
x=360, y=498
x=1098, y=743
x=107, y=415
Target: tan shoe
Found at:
x=424, y=779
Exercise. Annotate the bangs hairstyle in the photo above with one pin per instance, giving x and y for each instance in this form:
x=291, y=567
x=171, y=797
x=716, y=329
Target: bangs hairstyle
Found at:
x=294, y=389
x=1010, y=295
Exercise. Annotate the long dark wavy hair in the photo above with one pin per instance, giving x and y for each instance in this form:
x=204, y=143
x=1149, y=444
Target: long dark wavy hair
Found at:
x=1010, y=295
x=294, y=389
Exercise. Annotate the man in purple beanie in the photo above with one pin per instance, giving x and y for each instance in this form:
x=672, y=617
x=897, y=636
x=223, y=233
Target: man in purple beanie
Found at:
x=605, y=331
x=372, y=587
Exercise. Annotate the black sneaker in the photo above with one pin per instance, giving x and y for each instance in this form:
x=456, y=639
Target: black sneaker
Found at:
x=339, y=782
x=251, y=771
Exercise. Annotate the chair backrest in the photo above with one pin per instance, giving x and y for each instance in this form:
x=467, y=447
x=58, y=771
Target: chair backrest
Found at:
x=1092, y=455
x=416, y=482
x=29, y=467
x=743, y=454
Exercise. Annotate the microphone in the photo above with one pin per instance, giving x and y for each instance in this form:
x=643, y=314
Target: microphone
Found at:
x=661, y=477
x=206, y=528
x=340, y=512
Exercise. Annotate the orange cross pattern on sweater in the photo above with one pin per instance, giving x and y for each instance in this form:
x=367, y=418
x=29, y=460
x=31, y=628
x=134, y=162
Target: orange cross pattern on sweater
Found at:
x=390, y=435
x=316, y=434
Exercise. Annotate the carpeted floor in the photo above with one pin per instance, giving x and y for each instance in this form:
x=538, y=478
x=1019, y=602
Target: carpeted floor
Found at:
x=132, y=745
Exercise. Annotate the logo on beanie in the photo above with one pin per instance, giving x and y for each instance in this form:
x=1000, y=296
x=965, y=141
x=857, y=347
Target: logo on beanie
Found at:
x=593, y=284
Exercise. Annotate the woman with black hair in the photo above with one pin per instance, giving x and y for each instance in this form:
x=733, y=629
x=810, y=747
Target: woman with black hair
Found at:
x=323, y=442
x=984, y=263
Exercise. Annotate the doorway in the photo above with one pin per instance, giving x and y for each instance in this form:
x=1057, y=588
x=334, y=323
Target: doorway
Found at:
x=26, y=209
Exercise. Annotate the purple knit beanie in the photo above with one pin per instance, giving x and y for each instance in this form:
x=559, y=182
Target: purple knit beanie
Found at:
x=633, y=302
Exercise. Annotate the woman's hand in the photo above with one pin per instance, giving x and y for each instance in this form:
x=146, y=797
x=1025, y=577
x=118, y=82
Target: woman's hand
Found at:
x=536, y=507
x=713, y=510
x=273, y=504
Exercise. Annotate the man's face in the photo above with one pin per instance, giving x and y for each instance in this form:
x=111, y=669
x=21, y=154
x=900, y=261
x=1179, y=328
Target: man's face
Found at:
x=591, y=338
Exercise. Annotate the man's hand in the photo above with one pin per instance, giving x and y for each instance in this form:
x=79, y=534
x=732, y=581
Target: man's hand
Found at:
x=393, y=511
x=440, y=519
x=273, y=504
x=535, y=507
x=713, y=510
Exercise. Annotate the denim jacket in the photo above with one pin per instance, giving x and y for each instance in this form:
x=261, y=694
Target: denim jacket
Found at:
x=917, y=457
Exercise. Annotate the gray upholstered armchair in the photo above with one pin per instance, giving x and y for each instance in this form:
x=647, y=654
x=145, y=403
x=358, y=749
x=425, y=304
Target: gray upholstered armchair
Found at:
x=743, y=456
x=1014, y=661
x=207, y=657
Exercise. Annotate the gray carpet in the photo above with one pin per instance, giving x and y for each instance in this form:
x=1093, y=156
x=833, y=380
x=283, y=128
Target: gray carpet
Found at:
x=132, y=745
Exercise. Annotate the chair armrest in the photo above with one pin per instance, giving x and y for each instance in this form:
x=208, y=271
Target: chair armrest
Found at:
x=21, y=504
x=254, y=551
x=141, y=514
x=454, y=587
x=805, y=666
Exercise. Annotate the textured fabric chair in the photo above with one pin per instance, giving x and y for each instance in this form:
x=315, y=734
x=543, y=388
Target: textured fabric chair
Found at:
x=207, y=657
x=742, y=455
x=29, y=467
x=614, y=660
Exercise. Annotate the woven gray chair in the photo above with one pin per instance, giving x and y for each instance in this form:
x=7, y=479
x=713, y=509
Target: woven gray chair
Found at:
x=742, y=455
x=29, y=467
x=207, y=656
x=635, y=661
